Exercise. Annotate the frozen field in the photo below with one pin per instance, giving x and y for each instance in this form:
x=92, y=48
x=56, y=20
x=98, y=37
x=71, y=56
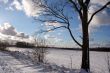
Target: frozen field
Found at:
x=64, y=58
x=98, y=60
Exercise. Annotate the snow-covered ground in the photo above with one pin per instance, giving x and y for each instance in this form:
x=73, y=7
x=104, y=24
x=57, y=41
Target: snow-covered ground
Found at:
x=19, y=62
x=10, y=64
x=98, y=60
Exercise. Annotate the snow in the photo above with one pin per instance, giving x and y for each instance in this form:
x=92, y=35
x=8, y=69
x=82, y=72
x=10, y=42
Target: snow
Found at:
x=18, y=60
x=83, y=71
x=98, y=60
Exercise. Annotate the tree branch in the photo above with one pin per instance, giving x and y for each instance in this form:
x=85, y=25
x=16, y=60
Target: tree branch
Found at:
x=73, y=37
x=78, y=10
x=68, y=27
x=87, y=2
x=53, y=29
x=54, y=13
x=51, y=11
x=98, y=11
x=44, y=31
x=74, y=5
x=51, y=21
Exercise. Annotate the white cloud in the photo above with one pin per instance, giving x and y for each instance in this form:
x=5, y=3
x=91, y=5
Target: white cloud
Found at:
x=28, y=6
x=101, y=2
x=9, y=30
x=10, y=34
x=53, y=24
x=16, y=4
x=31, y=8
x=4, y=1
x=10, y=8
x=21, y=34
x=52, y=38
x=100, y=19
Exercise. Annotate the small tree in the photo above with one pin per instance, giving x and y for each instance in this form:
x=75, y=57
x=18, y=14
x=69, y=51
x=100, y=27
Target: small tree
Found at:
x=40, y=50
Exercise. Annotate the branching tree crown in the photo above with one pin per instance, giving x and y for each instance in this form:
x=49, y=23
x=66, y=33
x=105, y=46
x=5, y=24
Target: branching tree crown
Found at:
x=60, y=12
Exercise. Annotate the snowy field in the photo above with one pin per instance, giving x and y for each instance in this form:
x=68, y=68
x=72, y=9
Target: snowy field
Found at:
x=19, y=62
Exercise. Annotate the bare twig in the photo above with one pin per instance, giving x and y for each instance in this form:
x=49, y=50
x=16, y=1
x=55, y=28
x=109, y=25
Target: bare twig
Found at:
x=51, y=21
x=108, y=62
x=78, y=10
x=53, y=29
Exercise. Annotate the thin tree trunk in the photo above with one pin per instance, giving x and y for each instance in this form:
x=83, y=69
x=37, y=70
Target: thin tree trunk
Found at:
x=85, y=47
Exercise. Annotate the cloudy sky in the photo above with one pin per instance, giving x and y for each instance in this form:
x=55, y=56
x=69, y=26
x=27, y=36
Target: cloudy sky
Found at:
x=16, y=20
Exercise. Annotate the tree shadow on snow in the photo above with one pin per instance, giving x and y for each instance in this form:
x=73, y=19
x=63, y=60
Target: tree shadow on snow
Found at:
x=42, y=67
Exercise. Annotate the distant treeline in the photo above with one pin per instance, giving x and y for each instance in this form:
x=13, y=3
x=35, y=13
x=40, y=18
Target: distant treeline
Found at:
x=28, y=45
x=101, y=49
x=4, y=44
x=24, y=45
x=105, y=49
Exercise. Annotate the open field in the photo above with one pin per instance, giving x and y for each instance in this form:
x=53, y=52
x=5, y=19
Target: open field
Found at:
x=71, y=59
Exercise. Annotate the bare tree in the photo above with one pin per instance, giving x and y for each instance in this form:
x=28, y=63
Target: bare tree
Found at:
x=56, y=12
x=40, y=50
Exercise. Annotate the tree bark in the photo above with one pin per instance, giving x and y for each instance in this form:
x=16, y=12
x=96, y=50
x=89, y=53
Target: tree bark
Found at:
x=85, y=51
x=85, y=47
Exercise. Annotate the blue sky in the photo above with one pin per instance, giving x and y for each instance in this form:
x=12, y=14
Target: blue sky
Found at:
x=19, y=20
x=22, y=20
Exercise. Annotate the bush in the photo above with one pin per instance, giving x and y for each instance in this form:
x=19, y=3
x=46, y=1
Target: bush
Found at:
x=40, y=51
x=3, y=45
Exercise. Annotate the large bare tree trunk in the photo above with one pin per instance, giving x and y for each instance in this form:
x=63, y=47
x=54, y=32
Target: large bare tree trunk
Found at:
x=85, y=51
x=85, y=47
